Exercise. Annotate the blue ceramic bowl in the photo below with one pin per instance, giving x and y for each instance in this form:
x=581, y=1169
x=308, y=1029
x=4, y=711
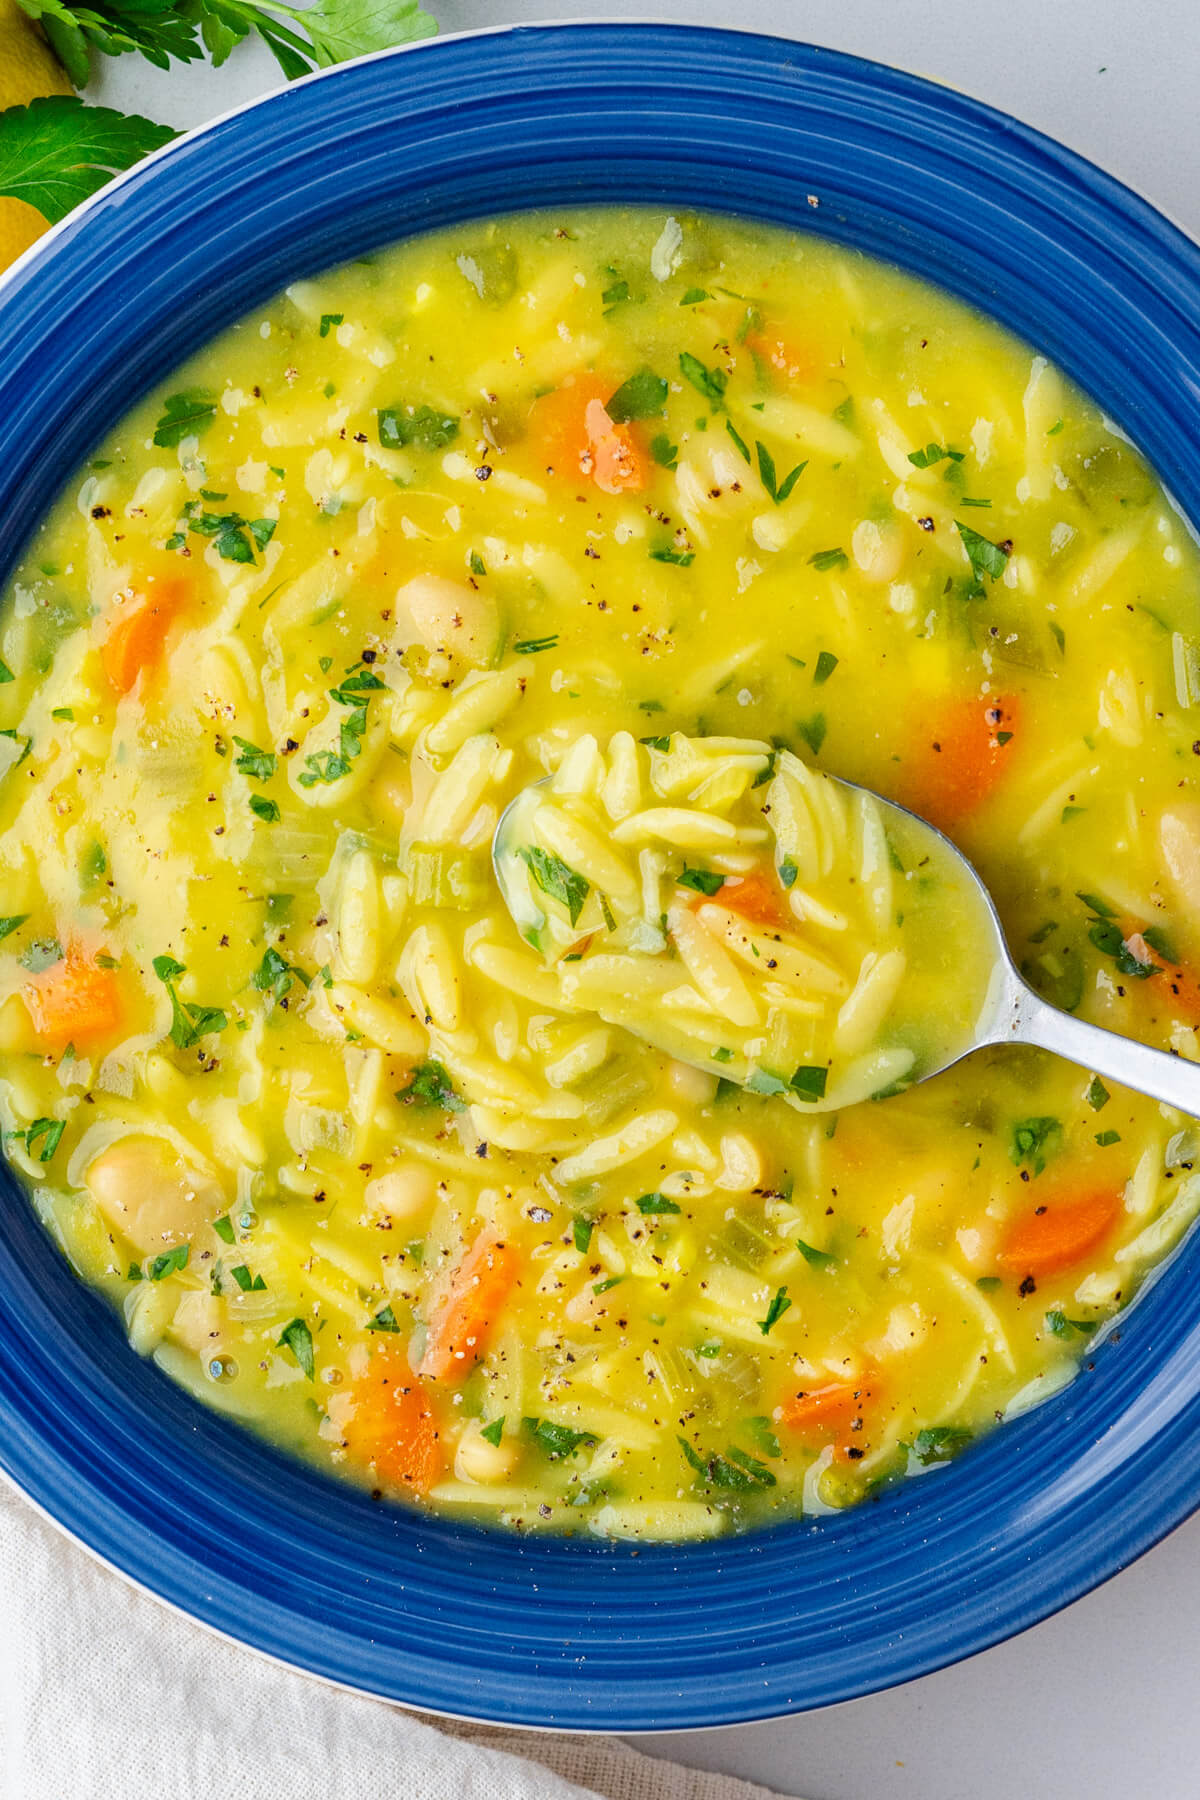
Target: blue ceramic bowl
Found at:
x=577, y=1634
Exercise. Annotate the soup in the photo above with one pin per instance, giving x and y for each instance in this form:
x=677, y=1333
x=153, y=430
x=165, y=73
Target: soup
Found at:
x=680, y=514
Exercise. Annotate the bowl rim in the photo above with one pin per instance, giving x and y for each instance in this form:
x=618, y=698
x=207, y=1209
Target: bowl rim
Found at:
x=137, y=1533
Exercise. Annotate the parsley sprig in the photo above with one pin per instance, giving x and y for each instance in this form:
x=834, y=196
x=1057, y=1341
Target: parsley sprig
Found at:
x=189, y=1023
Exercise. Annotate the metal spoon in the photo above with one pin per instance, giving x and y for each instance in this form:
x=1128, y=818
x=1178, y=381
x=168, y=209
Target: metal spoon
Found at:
x=1011, y=1012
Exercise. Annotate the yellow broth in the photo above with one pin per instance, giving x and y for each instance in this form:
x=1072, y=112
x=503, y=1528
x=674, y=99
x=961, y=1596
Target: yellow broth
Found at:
x=278, y=1069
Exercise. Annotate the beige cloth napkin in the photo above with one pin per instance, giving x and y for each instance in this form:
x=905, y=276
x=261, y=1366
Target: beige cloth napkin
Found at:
x=107, y=1695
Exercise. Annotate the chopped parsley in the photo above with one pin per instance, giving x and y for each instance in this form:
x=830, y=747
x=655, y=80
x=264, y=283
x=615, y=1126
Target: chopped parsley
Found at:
x=809, y=1081
x=491, y=1434
x=985, y=557
x=552, y=875
x=276, y=976
x=11, y=922
x=817, y=1259
x=735, y=1470
x=1098, y=1095
x=264, y=809
x=638, y=398
x=779, y=1305
x=353, y=692
x=532, y=646
x=46, y=1131
x=249, y=1284
x=258, y=764
x=778, y=490
x=649, y=1204
x=229, y=530
x=6, y=674
x=329, y=320
x=709, y=382
x=666, y=554
x=429, y=1085
x=933, y=454
x=185, y=414
x=1033, y=1141
x=701, y=881
x=189, y=1023
x=1058, y=1325
x=829, y=559
x=557, y=1440
x=1105, y=1138
x=297, y=1338
x=384, y=1320
x=581, y=1232
x=937, y=1443
x=224, y=1228
x=168, y=1262
x=664, y=452
x=421, y=427
x=827, y=662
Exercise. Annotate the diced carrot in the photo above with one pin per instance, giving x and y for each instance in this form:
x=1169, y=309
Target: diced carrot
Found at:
x=393, y=1426
x=1060, y=1233
x=73, y=1001
x=138, y=631
x=578, y=439
x=756, y=897
x=961, y=759
x=467, y=1311
x=829, y=1411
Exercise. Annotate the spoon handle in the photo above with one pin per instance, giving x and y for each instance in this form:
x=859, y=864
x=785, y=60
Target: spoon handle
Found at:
x=1031, y=1020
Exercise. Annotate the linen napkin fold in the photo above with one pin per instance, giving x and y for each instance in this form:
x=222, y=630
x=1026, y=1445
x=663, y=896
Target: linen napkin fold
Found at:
x=105, y=1694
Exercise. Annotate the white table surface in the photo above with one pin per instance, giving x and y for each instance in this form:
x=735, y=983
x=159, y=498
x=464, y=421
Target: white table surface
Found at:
x=1100, y=1700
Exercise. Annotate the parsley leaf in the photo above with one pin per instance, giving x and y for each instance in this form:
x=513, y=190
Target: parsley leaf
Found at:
x=779, y=1305
x=581, y=1232
x=1032, y=1141
x=638, y=398
x=534, y=646
x=49, y=1131
x=56, y=151
x=709, y=382
x=1098, y=1095
x=827, y=662
x=937, y=1443
x=275, y=976
x=420, y=426
x=809, y=1081
x=701, y=881
x=189, y=1023
x=557, y=1440
x=931, y=455
x=985, y=557
x=664, y=452
x=224, y=1228
x=816, y=1259
x=168, y=1261
x=491, y=1434
x=650, y=1204
x=266, y=810
x=185, y=414
x=429, y=1085
x=553, y=876
x=829, y=559
x=258, y=764
x=11, y=922
x=384, y=1320
x=778, y=491
x=297, y=1338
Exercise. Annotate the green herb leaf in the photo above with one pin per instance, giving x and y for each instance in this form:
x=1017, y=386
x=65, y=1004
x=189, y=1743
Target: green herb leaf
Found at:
x=813, y=732
x=6, y=674
x=189, y=1022
x=829, y=559
x=1094, y=904
x=681, y=558
x=602, y=1287
x=532, y=646
x=701, y=881
x=429, y=1085
x=56, y=151
x=827, y=662
x=788, y=872
x=224, y=1229
x=384, y=1320
x=985, y=557
x=694, y=296
x=638, y=398
x=779, y=1305
x=491, y=1434
x=1033, y=1141
x=11, y=922
x=709, y=382
x=937, y=1443
x=266, y=810
x=809, y=1081
x=276, y=976
x=664, y=452
x=1105, y=1138
x=931, y=455
x=557, y=1440
x=297, y=1338
x=419, y=426
x=329, y=321
x=49, y=1131
x=766, y=473
x=818, y=1259
x=551, y=874
x=185, y=414
x=649, y=1204
x=743, y=448
x=1098, y=1095
x=168, y=1262
x=247, y=1282
x=581, y=1231
x=41, y=955
x=759, y=1428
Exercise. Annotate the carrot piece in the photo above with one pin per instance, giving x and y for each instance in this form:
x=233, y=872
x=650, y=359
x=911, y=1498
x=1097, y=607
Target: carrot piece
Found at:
x=829, y=1411
x=577, y=438
x=961, y=761
x=393, y=1425
x=755, y=897
x=790, y=360
x=135, y=638
x=1059, y=1234
x=73, y=1001
x=462, y=1319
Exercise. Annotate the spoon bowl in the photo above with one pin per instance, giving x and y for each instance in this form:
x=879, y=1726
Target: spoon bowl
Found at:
x=991, y=1004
